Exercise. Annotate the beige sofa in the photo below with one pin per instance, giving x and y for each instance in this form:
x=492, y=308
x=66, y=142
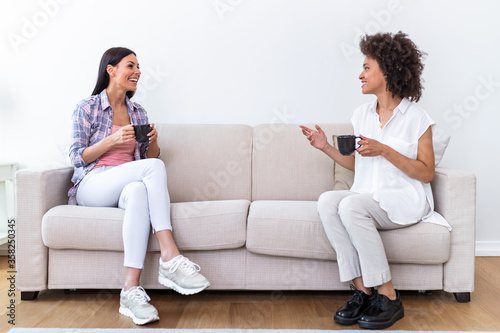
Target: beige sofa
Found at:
x=244, y=209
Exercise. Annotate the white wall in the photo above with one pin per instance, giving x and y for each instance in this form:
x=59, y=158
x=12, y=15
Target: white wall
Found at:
x=245, y=61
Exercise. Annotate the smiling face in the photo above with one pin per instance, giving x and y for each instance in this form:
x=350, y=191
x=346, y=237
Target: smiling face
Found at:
x=125, y=74
x=372, y=78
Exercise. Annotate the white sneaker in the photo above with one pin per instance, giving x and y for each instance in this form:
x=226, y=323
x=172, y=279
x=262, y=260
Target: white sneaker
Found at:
x=134, y=304
x=182, y=275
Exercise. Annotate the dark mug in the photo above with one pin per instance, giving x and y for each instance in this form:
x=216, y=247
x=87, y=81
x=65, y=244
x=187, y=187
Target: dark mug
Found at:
x=347, y=144
x=141, y=133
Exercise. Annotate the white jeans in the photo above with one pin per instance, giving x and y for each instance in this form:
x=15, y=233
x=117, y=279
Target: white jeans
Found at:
x=139, y=187
x=351, y=221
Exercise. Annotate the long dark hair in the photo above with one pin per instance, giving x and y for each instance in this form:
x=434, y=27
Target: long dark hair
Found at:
x=111, y=57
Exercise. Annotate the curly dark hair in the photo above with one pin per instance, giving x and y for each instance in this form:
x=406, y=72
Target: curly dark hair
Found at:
x=400, y=62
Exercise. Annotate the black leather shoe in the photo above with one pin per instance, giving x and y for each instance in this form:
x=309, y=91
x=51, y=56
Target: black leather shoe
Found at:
x=382, y=313
x=351, y=312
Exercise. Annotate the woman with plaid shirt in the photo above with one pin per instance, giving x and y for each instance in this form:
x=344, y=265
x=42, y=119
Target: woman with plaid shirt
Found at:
x=113, y=170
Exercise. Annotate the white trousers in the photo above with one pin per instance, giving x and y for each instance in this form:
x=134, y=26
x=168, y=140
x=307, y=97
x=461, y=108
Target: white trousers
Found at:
x=351, y=221
x=139, y=187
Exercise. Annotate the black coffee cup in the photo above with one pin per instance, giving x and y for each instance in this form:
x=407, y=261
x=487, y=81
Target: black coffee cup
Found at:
x=347, y=144
x=141, y=133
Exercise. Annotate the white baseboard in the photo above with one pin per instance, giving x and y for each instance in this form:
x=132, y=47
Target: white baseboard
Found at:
x=487, y=248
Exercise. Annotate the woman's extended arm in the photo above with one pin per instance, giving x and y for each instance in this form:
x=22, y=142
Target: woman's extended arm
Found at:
x=422, y=168
x=318, y=140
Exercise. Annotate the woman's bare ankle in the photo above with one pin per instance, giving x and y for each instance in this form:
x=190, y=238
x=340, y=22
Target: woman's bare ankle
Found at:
x=167, y=256
x=129, y=286
x=389, y=292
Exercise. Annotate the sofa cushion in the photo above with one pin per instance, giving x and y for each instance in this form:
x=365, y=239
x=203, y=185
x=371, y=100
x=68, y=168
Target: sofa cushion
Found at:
x=211, y=225
x=294, y=229
x=440, y=141
x=286, y=167
x=422, y=243
x=84, y=228
x=206, y=162
x=287, y=228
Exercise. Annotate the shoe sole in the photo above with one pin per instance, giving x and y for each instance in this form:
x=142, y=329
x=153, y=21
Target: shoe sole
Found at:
x=346, y=321
x=127, y=312
x=181, y=290
x=384, y=324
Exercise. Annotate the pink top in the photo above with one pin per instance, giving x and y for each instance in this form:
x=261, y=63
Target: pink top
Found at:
x=119, y=154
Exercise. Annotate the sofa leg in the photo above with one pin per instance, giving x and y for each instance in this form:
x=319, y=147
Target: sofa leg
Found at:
x=29, y=295
x=462, y=297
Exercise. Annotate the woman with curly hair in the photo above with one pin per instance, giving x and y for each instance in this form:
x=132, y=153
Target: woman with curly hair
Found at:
x=393, y=168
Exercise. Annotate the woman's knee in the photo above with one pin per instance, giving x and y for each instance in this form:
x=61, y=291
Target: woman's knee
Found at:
x=325, y=201
x=156, y=163
x=155, y=167
x=330, y=200
x=135, y=191
x=347, y=204
x=352, y=209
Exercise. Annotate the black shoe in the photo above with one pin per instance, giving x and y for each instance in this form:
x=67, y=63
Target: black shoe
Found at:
x=382, y=313
x=351, y=312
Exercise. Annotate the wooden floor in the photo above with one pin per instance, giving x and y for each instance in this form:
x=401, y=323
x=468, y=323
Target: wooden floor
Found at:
x=255, y=309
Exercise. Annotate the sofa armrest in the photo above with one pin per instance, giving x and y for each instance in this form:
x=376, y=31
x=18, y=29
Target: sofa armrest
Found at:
x=37, y=191
x=455, y=198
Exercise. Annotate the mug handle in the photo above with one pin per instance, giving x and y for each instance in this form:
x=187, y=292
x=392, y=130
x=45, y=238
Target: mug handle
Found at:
x=358, y=137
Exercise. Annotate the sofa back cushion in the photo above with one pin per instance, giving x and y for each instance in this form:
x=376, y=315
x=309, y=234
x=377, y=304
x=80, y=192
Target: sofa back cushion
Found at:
x=286, y=167
x=206, y=162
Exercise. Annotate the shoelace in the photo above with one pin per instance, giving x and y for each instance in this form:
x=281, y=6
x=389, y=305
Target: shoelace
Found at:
x=377, y=303
x=139, y=295
x=187, y=265
x=357, y=297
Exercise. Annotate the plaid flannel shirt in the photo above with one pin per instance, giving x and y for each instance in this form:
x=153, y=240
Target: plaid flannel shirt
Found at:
x=92, y=122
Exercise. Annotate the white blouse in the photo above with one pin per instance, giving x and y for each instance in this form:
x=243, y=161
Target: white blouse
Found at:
x=404, y=198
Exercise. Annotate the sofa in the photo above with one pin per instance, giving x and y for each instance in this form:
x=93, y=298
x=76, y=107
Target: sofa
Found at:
x=244, y=207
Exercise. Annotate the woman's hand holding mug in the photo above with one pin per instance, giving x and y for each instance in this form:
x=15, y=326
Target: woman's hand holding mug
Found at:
x=153, y=134
x=370, y=147
x=124, y=135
